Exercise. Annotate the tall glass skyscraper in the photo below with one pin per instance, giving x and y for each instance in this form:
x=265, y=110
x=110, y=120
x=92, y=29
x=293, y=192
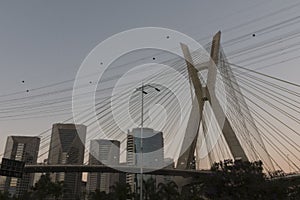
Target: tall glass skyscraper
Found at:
x=21, y=148
x=151, y=155
x=67, y=147
x=103, y=152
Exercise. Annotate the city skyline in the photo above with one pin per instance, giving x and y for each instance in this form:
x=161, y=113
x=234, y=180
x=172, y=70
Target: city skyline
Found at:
x=64, y=141
x=53, y=51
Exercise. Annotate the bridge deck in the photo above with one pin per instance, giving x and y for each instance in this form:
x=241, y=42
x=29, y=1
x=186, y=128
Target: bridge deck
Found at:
x=113, y=169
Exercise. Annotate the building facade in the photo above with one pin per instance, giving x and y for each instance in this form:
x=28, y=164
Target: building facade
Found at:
x=21, y=148
x=103, y=152
x=67, y=147
x=152, y=155
x=146, y=153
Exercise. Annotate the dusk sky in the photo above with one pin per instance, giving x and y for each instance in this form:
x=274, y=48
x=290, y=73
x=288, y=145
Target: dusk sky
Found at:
x=45, y=42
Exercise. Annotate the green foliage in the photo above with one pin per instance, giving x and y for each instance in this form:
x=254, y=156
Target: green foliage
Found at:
x=168, y=191
x=149, y=189
x=121, y=192
x=4, y=195
x=193, y=191
x=97, y=195
x=45, y=188
x=230, y=180
x=234, y=180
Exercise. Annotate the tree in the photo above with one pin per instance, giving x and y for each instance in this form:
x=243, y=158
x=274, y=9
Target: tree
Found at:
x=41, y=188
x=150, y=189
x=193, y=191
x=56, y=189
x=4, y=195
x=234, y=180
x=294, y=192
x=168, y=191
x=121, y=192
x=45, y=188
x=97, y=195
x=27, y=195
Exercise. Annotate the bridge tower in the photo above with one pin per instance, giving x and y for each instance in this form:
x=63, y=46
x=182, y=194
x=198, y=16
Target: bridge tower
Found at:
x=206, y=94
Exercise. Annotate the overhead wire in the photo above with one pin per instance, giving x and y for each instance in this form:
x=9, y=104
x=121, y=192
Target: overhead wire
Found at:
x=276, y=148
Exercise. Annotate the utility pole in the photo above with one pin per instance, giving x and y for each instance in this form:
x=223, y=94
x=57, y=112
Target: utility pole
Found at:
x=142, y=127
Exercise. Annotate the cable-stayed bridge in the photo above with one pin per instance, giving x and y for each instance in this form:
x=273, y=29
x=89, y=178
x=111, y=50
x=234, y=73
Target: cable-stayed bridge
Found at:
x=230, y=112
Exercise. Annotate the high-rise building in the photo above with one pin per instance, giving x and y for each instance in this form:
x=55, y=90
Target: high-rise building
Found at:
x=103, y=152
x=21, y=148
x=67, y=147
x=130, y=160
x=151, y=155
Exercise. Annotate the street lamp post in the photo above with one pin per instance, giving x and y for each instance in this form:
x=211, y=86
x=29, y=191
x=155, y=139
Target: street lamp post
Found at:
x=142, y=127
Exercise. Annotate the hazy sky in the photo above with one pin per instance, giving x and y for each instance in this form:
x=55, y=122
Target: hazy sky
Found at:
x=44, y=42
